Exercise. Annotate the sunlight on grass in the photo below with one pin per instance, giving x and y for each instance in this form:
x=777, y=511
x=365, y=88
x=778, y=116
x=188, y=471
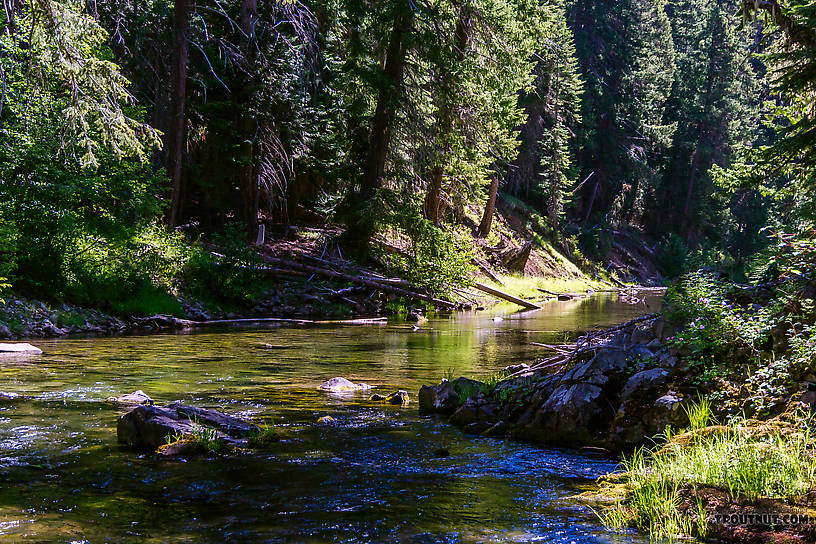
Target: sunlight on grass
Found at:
x=527, y=286
x=746, y=460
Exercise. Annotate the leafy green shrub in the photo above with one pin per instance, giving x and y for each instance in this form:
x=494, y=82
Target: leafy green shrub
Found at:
x=133, y=276
x=595, y=242
x=228, y=272
x=436, y=259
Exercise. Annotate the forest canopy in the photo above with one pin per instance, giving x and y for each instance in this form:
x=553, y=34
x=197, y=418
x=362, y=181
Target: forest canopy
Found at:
x=129, y=127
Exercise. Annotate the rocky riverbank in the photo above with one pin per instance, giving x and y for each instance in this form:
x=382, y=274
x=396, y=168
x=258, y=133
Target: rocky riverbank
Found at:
x=25, y=318
x=614, y=397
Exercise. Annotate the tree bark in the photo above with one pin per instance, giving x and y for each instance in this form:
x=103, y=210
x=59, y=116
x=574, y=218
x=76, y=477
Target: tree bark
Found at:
x=177, y=133
x=388, y=98
x=433, y=198
x=490, y=208
x=247, y=173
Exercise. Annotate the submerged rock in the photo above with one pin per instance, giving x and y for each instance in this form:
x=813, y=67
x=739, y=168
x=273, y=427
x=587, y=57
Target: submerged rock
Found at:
x=342, y=385
x=19, y=348
x=325, y=419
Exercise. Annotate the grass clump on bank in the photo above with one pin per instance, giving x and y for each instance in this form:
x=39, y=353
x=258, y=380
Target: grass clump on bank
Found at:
x=748, y=460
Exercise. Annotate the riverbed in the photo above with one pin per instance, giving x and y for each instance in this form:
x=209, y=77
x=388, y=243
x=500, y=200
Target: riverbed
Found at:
x=371, y=476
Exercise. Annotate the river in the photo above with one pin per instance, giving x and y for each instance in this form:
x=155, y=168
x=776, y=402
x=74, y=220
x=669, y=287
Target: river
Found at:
x=372, y=476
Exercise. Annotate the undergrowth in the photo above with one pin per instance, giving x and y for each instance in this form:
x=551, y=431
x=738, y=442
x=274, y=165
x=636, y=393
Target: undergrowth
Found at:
x=746, y=461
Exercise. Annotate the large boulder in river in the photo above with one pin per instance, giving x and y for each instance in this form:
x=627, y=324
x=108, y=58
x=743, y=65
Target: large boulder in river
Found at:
x=342, y=385
x=19, y=348
x=149, y=427
x=577, y=407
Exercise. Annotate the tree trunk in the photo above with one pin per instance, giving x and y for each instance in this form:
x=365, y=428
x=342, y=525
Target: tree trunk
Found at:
x=690, y=186
x=388, y=98
x=247, y=173
x=592, y=198
x=490, y=208
x=177, y=136
x=433, y=197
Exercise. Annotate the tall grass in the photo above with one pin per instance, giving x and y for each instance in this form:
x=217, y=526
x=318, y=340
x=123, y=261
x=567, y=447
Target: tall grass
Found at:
x=732, y=458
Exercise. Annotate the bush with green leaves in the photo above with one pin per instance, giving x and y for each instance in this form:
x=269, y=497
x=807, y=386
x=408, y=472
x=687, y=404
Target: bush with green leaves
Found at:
x=436, y=259
x=136, y=275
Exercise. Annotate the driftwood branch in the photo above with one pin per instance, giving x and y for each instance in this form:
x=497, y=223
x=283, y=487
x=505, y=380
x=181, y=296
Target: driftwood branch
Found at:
x=506, y=296
x=571, y=353
x=214, y=322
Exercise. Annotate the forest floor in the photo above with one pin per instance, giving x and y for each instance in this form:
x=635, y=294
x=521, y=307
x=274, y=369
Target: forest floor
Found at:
x=306, y=276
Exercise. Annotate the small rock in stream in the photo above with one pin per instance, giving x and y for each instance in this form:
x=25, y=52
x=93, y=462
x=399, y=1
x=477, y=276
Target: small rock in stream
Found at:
x=18, y=348
x=342, y=385
x=398, y=397
x=135, y=398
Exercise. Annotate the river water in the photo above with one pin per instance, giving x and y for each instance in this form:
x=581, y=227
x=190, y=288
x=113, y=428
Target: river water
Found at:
x=372, y=476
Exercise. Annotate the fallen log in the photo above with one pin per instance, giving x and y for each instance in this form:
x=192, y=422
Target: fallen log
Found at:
x=361, y=281
x=505, y=296
x=487, y=272
x=212, y=322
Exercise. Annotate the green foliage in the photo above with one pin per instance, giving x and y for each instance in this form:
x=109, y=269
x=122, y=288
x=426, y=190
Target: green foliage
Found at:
x=673, y=254
x=228, y=271
x=436, y=259
x=134, y=276
x=739, y=460
x=200, y=438
x=264, y=436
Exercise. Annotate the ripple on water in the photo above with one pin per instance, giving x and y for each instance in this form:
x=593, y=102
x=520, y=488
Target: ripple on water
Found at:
x=370, y=477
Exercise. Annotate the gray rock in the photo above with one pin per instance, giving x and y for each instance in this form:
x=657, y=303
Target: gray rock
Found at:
x=645, y=410
x=5, y=332
x=438, y=399
x=573, y=415
x=19, y=348
x=398, y=397
x=135, y=398
x=342, y=385
x=607, y=363
x=149, y=427
x=642, y=382
x=475, y=409
x=232, y=426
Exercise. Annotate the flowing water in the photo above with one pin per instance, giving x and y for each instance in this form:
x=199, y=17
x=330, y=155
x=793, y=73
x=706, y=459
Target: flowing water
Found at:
x=371, y=476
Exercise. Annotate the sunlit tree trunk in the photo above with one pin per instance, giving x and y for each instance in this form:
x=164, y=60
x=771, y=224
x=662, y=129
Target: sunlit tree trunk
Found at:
x=490, y=207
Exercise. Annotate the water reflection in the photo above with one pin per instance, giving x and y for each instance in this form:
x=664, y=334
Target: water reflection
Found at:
x=371, y=477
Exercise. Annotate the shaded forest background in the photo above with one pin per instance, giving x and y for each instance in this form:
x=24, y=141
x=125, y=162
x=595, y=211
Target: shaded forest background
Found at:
x=130, y=129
